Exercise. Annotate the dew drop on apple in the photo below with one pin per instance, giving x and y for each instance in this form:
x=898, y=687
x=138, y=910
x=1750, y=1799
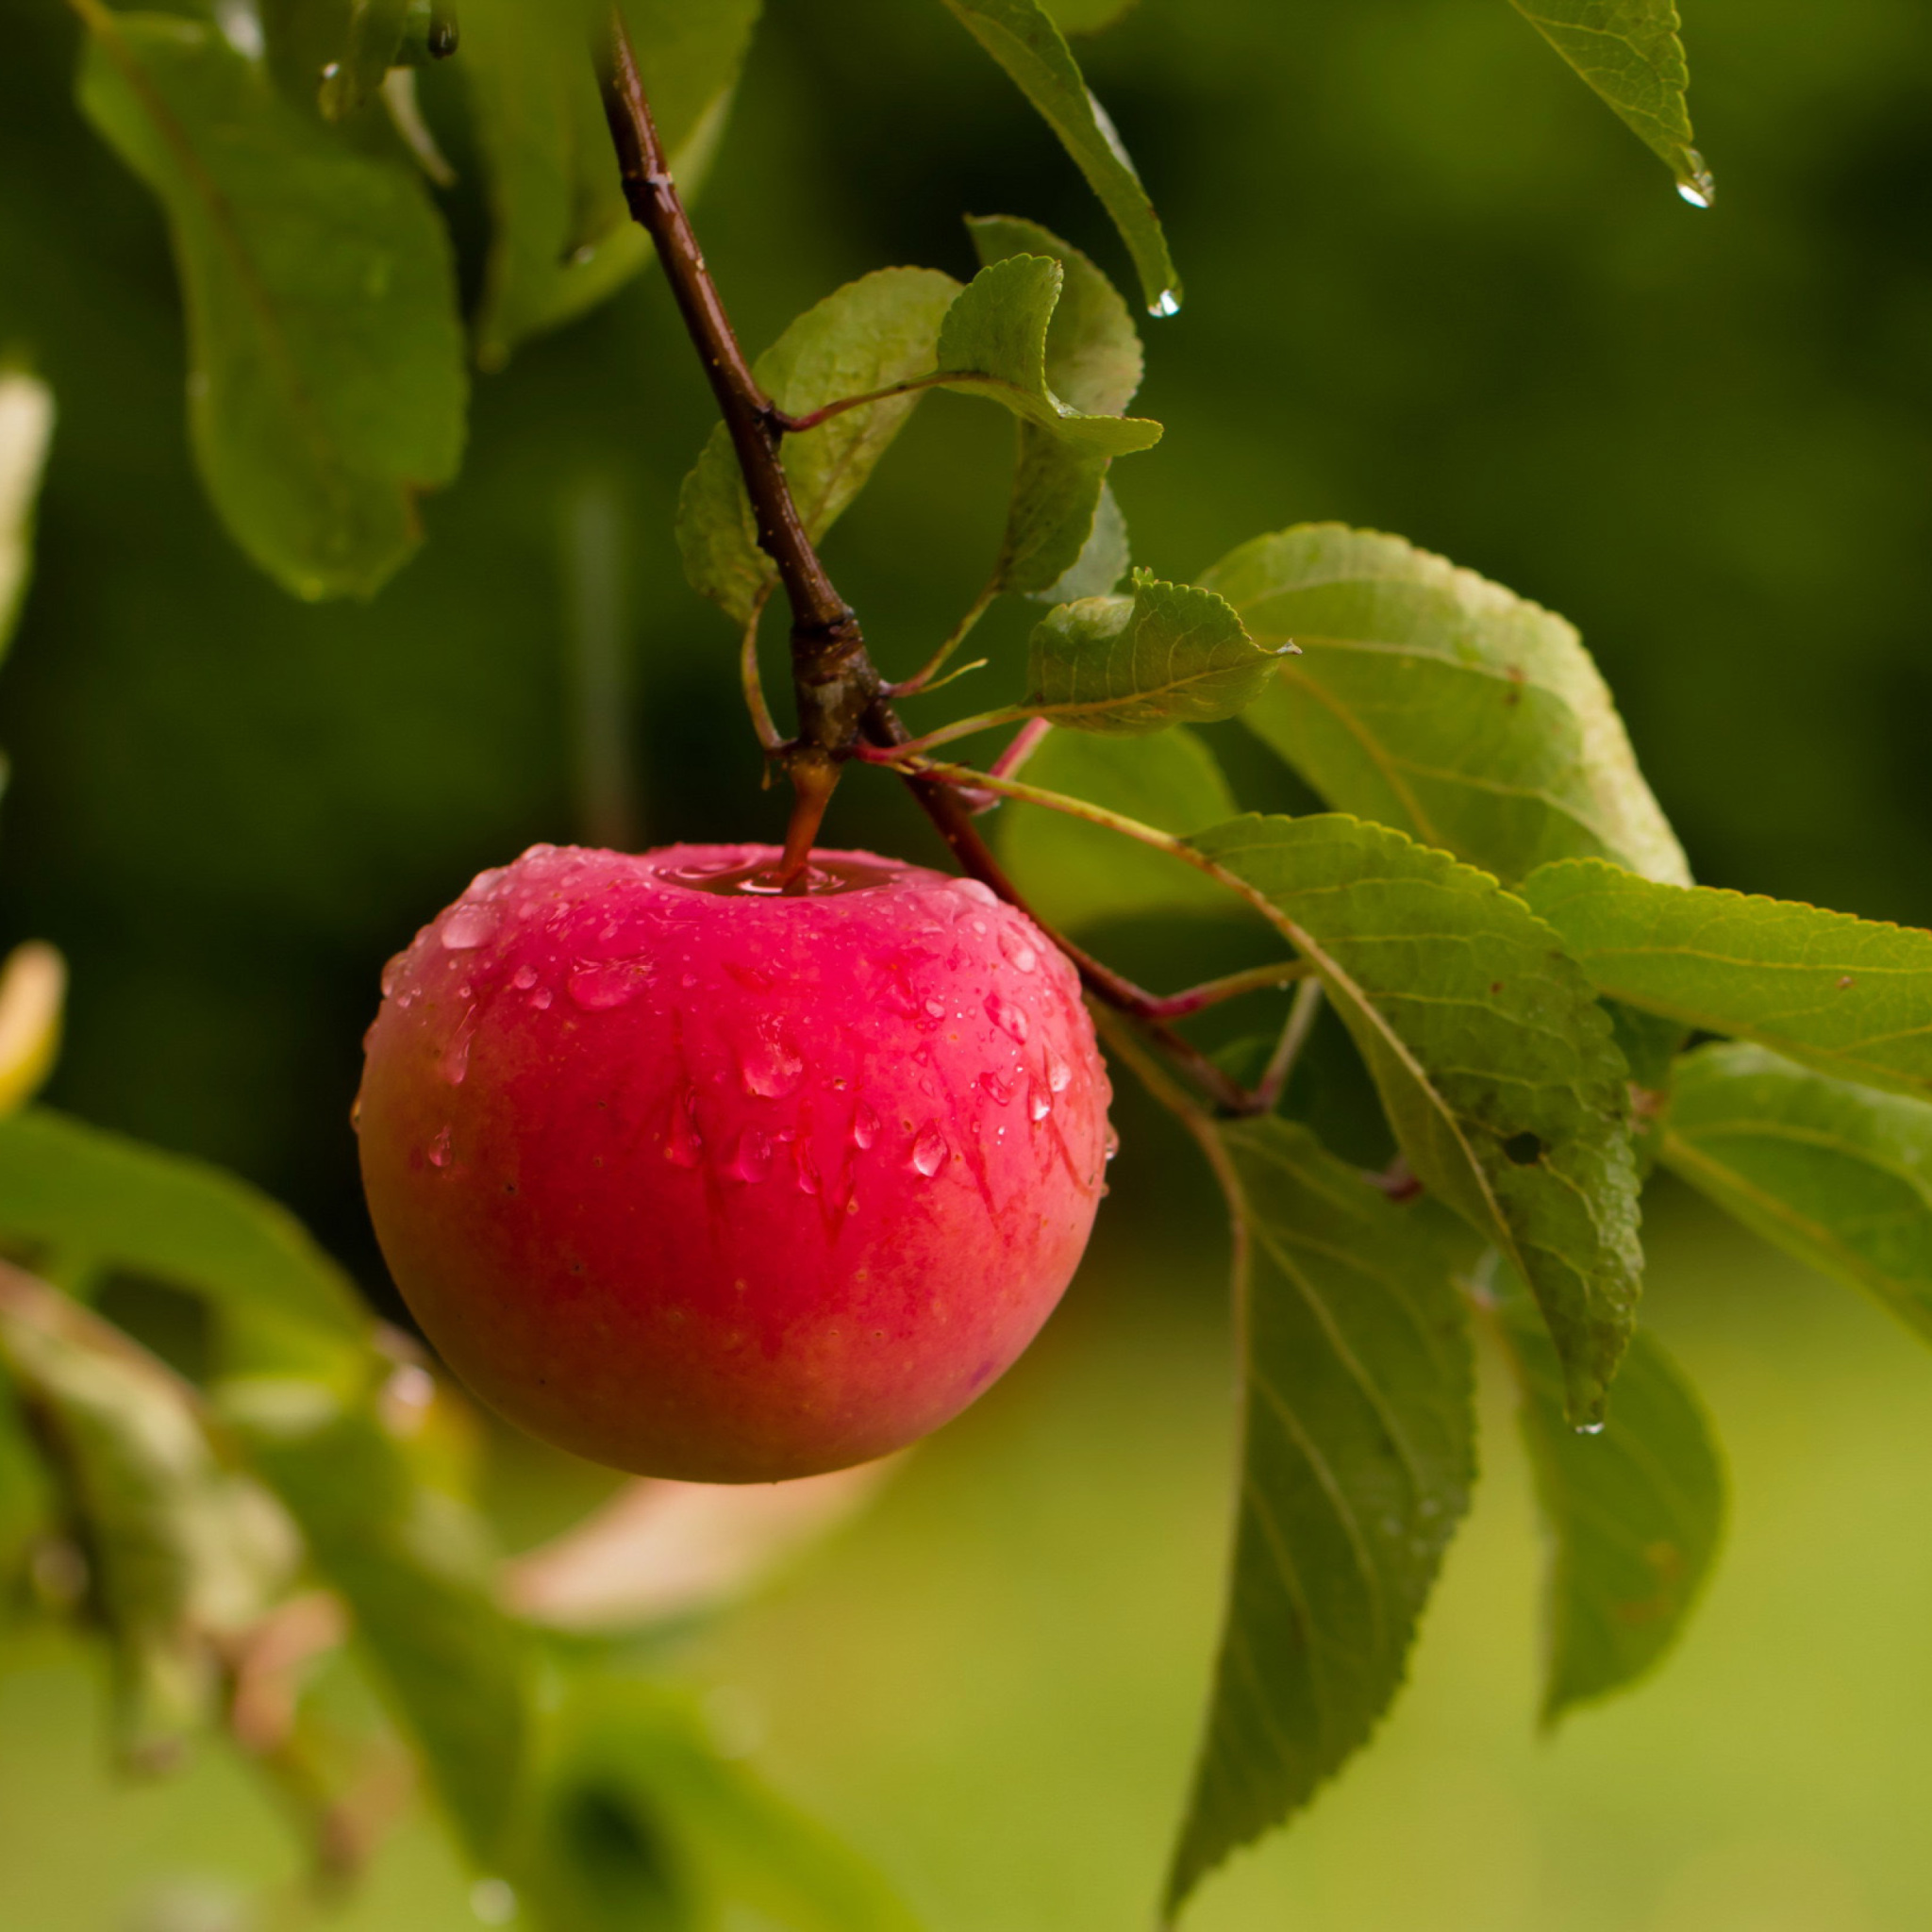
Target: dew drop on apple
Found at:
x=683, y=1144
x=865, y=1127
x=769, y=1068
x=468, y=926
x=929, y=1150
x=752, y=1160
x=1009, y=1019
x=1059, y=1076
x=1039, y=1102
x=611, y=983
x=439, y=1148
x=1018, y=949
x=541, y=998
x=391, y=971
x=524, y=978
x=1000, y=1090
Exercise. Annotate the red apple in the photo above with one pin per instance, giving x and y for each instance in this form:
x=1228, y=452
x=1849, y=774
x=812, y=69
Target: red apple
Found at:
x=703, y=1179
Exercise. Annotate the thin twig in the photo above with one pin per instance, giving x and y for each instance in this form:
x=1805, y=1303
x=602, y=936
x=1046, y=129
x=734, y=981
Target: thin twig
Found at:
x=1288, y=1049
x=754, y=686
x=922, y=679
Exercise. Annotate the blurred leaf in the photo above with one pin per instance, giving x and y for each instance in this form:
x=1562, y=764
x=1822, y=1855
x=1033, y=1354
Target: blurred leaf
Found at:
x=1849, y=997
x=562, y=238
x=1085, y=16
x=416, y=1567
x=26, y=428
x=1495, y=1065
x=1075, y=873
x=1630, y=52
x=33, y=985
x=1124, y=666
x=1633, y=1514
x=25, y=1500
x=879, y=330
x=1060, y=507
x=1357, y=1457
x=326, y=386
x=374, y=35
x=994, y=341
x=1650, y=1046
x=78, y=1189
x=1034, y=52
x=183, y=1552
x=1833, y=1172
x=639, y=1823
x=1442, y=705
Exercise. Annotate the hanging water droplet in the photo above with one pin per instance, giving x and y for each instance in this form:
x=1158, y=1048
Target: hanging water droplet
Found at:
x=1059, y=1076
x=683, y=1144
x=1693, y=194
x=1009, y=1019
x=392, y=972
x=1165, y=303
x=524, y=978
x=468, y=926
x=1000, y=1090
x=1113, y=1144
x=608, y=983
x=929, y=1150
x=865, y=1127
x=1590, y=1428
x=438, y=1149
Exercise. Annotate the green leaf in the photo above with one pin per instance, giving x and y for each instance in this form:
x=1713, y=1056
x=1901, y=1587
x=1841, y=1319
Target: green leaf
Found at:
x=1630, y=52
x=1170, y=653
x=1849, y=997
x=374, y=35
x=1441, y=704
x=879, y=330
x=1075, y=873
x=183, y=1551
x=639, y=1825
x=994, y=343
x=25, y=1499
x=562, y=238
x=1034, y=54
x=80, y=1189
x=325, y=381
x=1495, y=1065
x=1085, y=16
x=1633, y=1514
x=1061, y=511
x=416, y=1567
x=1358, y=1457
x=26, y=428
x=1833, y=1172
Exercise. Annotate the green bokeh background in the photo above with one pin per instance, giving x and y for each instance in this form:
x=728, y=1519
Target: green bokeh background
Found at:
x=1434, y=288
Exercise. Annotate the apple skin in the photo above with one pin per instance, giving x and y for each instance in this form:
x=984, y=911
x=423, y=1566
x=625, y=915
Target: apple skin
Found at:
x=702, y=1181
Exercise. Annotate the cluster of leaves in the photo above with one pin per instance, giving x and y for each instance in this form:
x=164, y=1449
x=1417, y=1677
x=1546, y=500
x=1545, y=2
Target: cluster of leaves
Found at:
x=1499, y=916
x=1493, y=909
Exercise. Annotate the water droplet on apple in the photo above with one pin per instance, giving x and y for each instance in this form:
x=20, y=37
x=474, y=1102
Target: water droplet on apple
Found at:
x=608, y=983
x=752, y=1160
x=541, y=998
x=1059, y=1076
x=937, y=1009
x=524, y=978
x=1113, y=1142
x=455, y=1064
x=1009, y=1019
x=865, y=1127
x=1039, y=1102
x=392, y=972
x=768, y=1067
x=808, y=1173
x=929, y=1150
x=438, y=1149
x=1018, y=949
x=977, y=889
x=1000, y=1090
x=468, y=926
x=683, y=1144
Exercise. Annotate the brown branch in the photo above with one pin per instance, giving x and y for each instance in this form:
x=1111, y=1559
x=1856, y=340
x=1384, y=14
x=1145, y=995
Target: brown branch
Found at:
x=841, y=697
